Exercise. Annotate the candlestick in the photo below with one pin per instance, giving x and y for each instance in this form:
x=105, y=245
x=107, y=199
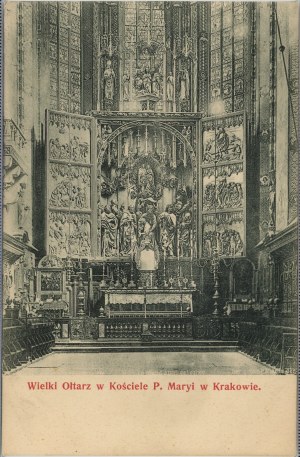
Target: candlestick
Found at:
x=131, y=284
x=146, y=141
x=145, y=303
x=109, y=155
x=138, y=139
x=103, y=282
x=184, y=155
x=119, y=151
x=174, y=151
x=192, y=284
x=178, y=253
x=118, y=284
x=165, y=282
x=191, y=241
x=155, y=142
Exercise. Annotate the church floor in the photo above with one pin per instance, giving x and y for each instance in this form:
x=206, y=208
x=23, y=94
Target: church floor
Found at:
x=147, y=363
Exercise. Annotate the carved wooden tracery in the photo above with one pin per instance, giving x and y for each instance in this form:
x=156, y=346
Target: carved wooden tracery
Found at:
x=168, y=149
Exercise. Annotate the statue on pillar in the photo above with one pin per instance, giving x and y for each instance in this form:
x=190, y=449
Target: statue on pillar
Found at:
x=170, y=87
x=126, y=86
x=272, y=206
x=109, y=81
x=147, y=81
x=184, y=79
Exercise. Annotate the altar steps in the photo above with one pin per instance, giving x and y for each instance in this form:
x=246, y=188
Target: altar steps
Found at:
x=146, y=346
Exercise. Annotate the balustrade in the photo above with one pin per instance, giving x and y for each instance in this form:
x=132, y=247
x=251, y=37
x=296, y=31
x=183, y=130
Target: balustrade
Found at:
x=212, y=327
x=13, y=135
x=122, y=327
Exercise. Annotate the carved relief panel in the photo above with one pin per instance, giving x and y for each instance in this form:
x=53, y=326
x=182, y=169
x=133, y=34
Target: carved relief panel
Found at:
x=51, y=278
x=223, y=187
x=69, y=185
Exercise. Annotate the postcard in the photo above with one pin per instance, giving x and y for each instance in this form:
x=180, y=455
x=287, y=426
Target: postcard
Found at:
x=150, y=197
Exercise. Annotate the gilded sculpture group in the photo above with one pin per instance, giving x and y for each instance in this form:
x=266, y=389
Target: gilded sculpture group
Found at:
x=125, y=232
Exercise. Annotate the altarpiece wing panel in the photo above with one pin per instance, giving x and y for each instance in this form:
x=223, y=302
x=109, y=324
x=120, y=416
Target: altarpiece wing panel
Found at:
x=69, y=196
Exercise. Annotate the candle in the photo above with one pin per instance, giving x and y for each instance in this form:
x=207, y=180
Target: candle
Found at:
x=191, y=255
x=118, y=240
x=184, y=155
x=109, y=154
x=146, y=140
x=174, y=151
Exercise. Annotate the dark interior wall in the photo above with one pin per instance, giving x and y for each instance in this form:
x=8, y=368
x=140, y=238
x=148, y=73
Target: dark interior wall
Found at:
x=38, y=195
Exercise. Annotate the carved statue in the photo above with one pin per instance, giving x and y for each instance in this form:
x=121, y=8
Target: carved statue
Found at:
x=167, y=224
x=147, y=255
x=156, y=84
x=146, y=184
x=109, y=228
x=64, y=152
x=209, y=198
x=128, y=235
x=22, y=207
x=109, y=81
x=126, y=86
x=54, y=148
x=184, y=79
x=80, y=197
x=106, y=131
x=170, y=87
x=222, y=140
x=150, y=225
x=147, y=81
x=272, y=205
x=138, y=80
x=236, y=147
x=185, y=234
x=75, y=148
x=180, y=207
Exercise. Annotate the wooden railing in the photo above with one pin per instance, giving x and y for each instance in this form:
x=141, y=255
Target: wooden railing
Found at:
x=269, y=341
x=123, y=327
x=208, y=327
x=25, y=340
